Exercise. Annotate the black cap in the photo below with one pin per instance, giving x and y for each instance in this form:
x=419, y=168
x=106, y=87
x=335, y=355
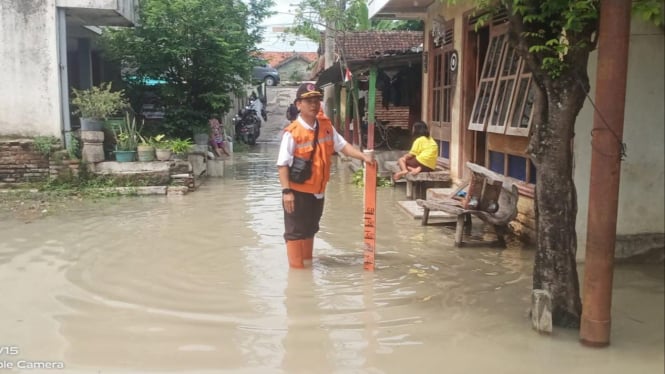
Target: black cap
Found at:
x=307, y=90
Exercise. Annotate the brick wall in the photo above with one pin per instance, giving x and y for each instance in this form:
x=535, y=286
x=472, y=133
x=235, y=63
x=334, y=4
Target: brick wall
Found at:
x=21, y=163
x=397, y=115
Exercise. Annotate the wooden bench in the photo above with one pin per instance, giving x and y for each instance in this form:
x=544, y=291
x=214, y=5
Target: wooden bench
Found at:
x=507, y=206
x=415, y=184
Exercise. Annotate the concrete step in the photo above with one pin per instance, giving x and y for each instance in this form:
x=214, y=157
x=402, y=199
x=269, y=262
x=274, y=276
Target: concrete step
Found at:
x=215, y=168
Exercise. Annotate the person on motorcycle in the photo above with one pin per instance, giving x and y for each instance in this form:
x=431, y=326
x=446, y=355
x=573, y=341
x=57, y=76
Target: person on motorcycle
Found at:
x=257, y=106
x=303, y=202
x=248, y=121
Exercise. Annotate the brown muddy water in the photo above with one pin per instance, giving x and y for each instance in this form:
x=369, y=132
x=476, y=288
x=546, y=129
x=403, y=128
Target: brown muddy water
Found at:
x=200, y=284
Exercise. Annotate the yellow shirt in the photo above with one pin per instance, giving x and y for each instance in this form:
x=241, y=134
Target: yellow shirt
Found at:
x=426, y=151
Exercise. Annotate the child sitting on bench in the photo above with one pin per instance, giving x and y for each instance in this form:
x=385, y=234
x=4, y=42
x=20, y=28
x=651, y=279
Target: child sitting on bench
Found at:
x=422, y=156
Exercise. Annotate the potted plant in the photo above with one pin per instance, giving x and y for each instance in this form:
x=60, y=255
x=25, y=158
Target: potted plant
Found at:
x=180, y=147
x=127, y=139
x=162, y=146
x=96, y=104
x=145, y=150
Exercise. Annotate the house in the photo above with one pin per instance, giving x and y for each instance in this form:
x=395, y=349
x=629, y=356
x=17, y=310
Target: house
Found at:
x=46, y=49
x=397, y=58
x=456, y=93
x=292, y=66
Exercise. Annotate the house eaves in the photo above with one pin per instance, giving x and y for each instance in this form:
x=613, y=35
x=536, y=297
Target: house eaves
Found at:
x=382, y=49
x=364, y=45
x=398, y=9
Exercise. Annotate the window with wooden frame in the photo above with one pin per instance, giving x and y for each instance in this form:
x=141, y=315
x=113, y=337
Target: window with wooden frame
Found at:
x=522, y=114
x=504, y=90
x=485, y=92
x=442, y=86
x=504, y=96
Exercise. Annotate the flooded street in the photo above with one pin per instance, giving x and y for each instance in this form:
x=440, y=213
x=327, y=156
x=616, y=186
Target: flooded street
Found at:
x=200, y=284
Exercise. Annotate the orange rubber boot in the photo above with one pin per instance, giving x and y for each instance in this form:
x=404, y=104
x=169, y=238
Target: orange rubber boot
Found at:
x=294, y=249
x=308, y=248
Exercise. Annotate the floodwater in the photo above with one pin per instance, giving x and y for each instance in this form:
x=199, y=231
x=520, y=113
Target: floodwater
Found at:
x=200, y=284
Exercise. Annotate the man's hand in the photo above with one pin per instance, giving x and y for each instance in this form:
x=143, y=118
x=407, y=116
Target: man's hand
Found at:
x=288, y=200
x=369, y=159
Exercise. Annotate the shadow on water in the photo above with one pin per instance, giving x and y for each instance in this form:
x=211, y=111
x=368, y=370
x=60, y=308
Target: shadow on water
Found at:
x=200, y=283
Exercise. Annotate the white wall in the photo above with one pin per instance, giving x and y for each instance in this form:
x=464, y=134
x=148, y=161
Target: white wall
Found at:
x=29, y=95
x=642, y=173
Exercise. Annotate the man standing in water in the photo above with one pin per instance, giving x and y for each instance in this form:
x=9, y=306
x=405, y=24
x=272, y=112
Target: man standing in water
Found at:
x=303, y=202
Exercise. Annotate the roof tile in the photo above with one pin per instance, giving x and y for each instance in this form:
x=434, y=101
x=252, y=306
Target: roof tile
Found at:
x=277, y=58
x=361, y=45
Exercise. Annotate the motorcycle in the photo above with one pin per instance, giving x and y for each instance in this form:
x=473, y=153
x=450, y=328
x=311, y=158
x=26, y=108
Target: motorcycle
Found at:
x=247, y=125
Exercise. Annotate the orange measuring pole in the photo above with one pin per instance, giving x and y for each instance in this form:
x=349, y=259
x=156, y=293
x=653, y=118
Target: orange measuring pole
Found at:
x=370, y=178
x=369, y=237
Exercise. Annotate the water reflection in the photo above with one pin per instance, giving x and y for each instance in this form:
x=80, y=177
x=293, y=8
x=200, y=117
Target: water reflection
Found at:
x=200, y=283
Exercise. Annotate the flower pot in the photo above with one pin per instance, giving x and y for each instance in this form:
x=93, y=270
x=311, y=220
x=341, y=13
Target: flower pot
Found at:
x=163, y=154
x=145, y=153
x=92, y=124
x=125, y=156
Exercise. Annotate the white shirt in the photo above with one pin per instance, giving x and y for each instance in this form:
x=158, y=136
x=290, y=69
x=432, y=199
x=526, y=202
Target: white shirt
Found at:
x=288, y=145
x=257, y=106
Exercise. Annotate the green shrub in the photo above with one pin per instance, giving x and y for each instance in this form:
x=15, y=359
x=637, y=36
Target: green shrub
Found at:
x=98, y=102
x=180, y=146
x=44, y=144
x=74, y=149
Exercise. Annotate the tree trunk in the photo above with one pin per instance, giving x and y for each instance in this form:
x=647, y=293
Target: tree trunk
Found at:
x=555, y=270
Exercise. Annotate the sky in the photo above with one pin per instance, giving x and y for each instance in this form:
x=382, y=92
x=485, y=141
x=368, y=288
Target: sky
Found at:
x=273, y=40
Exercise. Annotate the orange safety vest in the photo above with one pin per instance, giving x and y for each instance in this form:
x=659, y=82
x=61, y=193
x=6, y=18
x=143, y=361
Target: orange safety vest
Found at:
x=322, y=159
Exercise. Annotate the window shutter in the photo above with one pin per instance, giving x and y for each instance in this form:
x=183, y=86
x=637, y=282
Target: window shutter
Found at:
x=504, y=96
x=486, y=86
x=504, y=90
x=521, y=115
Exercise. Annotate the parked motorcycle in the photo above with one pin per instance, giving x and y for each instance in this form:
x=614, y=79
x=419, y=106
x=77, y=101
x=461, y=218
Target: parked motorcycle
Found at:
x=247, y=125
